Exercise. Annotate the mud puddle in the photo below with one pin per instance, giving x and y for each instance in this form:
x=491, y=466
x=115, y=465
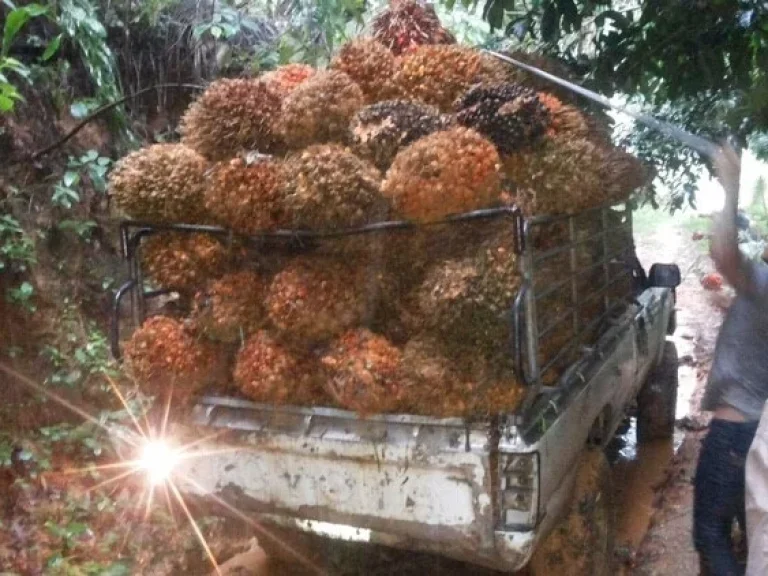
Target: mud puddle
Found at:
x=641, y=469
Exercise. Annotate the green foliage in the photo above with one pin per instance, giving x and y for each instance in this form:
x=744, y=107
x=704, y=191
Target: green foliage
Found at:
x=312, y=32
x=81, y=25
x=91, y=167
x=15, y=21
x=17, y=250
x=83, y=357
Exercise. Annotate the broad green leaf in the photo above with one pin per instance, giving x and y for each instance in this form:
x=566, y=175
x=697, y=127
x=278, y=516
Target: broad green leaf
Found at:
x=6, y=103
x=13, y=23
x=35, y=10
x=70, y=178
x=52, y=48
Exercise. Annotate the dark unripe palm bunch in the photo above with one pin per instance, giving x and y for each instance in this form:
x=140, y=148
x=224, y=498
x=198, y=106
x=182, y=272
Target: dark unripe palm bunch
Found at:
x=405, y=125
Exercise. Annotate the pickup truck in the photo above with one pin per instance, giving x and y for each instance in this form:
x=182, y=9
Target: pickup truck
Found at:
x=488, y=491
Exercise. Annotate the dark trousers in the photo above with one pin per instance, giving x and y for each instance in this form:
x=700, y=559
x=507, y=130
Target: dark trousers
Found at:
x=719, y=495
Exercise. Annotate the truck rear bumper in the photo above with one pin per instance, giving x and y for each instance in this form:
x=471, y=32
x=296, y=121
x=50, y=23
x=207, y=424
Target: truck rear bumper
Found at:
x=401, y=481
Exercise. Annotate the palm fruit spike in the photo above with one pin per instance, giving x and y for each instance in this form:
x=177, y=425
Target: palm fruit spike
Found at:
x=379, y=131
x=245, y=196
x=284, y=79
x=567, y=176
x=319, y=109
x=406, y=24
x=316, y=299
x=363, y=372
x=509, y=115
x=565, y=121
x=328, y=187
x=445, y=173
x=183, y=262
x=370, y=65
x=494, y=71
x=231, y=308
x=230, y=116
x=163, y=357
x=438, y=75
x=268, y=371
x=163, y=183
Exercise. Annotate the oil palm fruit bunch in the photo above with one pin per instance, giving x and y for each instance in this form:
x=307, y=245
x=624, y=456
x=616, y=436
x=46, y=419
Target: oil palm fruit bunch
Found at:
x=230, y=116
x=509, y=115
x=315, y=299
x=567, y=176
x=406, y=24
x=269, y=371
x=466, y=302
x=284, y=79
x=319, y=109
x=380, y=130
x=231, y=308
x=370, y=65
x=326, y=186
x=438, y=75
x=163, y=356
x=445, y=173
x=363, y=372
x=184, y=262
x=245, y=196
x=163, y=183
x=435, y=388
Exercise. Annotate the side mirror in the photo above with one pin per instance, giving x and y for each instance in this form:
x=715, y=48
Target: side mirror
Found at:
x=664, y=276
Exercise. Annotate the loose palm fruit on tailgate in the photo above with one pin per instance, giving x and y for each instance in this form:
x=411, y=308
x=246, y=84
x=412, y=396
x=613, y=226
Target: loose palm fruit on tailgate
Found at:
x=284, y=79
x=184, y=262
x=316, y=299
x=406, y=24
x=363, y=372
x=509, y=115
x=319, y=109
x=328, y=187
x=268, y=371
x=231, y=308
x=246, y=196
x=445, y=173
x=230, y=116
x=370, y=65
x=379, y=131
x=438, y=75
x=162, y=184
x=164, y=357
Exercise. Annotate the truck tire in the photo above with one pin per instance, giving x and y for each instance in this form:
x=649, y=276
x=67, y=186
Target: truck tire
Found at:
x=657, y=400
x=583, y=542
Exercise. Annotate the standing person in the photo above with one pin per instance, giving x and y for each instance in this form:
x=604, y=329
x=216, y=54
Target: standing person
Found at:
x=736, y=390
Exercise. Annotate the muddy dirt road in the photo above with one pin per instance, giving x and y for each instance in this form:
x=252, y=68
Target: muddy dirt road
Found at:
x=652, y=482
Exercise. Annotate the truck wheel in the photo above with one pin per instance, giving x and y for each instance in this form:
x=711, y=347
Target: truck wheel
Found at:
x=583, y=542
x=657, y=400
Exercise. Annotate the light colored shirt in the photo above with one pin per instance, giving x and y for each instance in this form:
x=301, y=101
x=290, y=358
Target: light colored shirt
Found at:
x=739, y=376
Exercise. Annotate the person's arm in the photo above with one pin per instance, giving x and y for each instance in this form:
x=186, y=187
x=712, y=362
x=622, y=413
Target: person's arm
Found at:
x=724, y=249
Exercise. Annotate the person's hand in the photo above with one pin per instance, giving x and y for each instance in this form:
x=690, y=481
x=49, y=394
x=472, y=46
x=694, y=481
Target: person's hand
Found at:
x=727, y=166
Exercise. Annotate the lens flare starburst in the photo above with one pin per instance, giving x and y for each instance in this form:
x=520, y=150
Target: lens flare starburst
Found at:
x=152, y=455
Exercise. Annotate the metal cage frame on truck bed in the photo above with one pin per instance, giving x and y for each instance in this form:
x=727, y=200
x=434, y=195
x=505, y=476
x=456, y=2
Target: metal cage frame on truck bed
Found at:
x=526, y=332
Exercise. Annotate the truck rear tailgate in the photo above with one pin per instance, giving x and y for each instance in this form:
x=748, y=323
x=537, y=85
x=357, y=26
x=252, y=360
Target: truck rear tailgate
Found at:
x=413, y=477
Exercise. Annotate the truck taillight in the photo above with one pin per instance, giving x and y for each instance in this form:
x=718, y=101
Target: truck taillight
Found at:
x=519, y=484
